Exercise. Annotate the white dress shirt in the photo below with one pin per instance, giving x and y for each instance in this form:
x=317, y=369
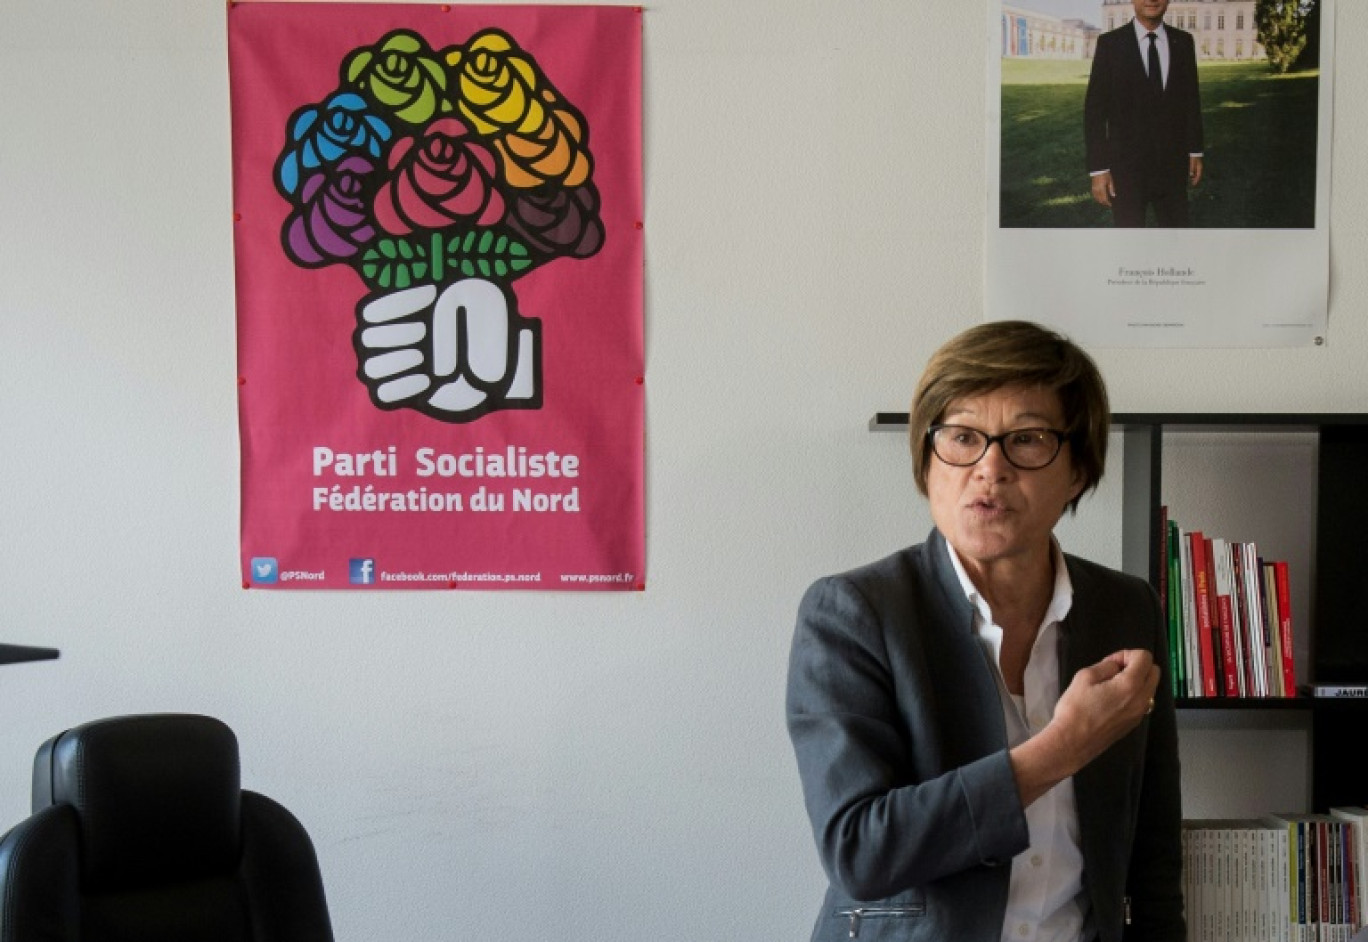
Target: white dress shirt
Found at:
x=1046, y=901
x=1160, y=42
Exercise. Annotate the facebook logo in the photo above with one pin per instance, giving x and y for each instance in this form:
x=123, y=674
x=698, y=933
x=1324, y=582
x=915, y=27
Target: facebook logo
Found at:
x=362, y=571
x=265, y=569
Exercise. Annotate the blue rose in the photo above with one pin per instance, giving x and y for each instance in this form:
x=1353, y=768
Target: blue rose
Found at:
x=322, y=135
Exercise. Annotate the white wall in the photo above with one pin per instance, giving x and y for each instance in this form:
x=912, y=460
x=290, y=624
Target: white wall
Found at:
x=531, y=766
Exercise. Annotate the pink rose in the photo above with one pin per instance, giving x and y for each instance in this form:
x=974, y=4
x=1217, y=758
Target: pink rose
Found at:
x=445, y=177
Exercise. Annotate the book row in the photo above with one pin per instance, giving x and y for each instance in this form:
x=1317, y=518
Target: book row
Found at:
x=1280, y=878
x=1229, y=616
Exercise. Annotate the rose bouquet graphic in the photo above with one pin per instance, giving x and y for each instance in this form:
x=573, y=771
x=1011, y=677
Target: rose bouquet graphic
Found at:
x=441, y=178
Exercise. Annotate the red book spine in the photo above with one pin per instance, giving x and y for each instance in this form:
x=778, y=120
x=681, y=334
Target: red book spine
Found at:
x=1223, y=641
x=1340, y=871
x=1228, y=662
x=1285, y=625
x=1201, y=590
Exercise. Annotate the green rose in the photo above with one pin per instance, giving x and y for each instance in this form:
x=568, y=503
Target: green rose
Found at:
x=400, y=73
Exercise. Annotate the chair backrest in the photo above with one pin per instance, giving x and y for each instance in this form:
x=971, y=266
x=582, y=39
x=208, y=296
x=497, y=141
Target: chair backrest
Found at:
x=141, y=833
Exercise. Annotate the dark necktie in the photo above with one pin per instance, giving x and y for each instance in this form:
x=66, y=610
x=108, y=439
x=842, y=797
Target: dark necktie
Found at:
x=1156, y=73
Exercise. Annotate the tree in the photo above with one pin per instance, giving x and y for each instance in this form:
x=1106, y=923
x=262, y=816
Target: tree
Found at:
x=1310, y=57
x=1282, y=26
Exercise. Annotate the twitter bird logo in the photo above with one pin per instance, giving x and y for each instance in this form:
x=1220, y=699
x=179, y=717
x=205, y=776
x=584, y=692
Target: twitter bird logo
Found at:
x=265, y=569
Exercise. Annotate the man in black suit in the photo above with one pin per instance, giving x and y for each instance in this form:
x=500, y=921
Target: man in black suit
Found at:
x=1142, y=119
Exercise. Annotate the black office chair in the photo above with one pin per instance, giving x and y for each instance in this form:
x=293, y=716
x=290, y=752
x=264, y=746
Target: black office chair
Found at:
x=141, y=833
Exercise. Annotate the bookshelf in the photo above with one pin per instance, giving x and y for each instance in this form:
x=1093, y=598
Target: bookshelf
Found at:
x=1337, y=500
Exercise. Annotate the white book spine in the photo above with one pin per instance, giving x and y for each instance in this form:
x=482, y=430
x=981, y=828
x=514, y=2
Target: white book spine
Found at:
x=1189, y=599
x=1250, y=589
x=1284, y=886
x=1192, y=882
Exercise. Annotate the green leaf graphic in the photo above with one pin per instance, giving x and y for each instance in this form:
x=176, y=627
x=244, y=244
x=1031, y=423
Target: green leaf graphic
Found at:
x=395, y=263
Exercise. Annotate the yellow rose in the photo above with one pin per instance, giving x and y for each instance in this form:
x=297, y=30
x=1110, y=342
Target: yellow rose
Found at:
x=539, y=137
x=401, y=73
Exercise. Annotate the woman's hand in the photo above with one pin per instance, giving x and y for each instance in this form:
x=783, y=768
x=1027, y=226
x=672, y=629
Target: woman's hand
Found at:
x=1103, y=703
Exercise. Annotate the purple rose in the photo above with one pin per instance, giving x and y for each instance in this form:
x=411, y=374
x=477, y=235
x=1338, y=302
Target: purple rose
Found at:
x=555, y=222
x=331, y=223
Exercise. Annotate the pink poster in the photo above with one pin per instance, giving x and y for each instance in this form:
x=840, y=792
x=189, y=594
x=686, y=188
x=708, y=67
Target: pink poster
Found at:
x=438, y=244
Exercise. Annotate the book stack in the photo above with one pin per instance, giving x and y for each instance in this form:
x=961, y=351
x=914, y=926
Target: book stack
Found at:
x=1229, y=614
x=1235, y=881
x=1280, y=878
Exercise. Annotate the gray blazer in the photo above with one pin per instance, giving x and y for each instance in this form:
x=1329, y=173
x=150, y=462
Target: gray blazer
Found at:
x=897, y=726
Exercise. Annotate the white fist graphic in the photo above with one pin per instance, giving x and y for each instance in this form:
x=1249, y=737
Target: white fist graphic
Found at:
x=454, y=353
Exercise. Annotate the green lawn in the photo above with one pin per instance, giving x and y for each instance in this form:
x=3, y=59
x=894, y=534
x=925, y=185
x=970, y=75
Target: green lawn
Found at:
x=1260, y=165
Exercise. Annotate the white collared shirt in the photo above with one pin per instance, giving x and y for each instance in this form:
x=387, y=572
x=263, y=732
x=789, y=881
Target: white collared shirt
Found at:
x=1046, y=901
x=1160, y=42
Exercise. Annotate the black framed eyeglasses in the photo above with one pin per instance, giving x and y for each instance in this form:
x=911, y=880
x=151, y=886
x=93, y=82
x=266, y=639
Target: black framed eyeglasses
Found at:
x=1028, y=449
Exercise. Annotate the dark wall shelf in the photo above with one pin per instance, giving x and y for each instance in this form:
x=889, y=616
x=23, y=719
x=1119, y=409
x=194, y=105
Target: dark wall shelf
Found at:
x=888, y=422
x=1301, y=704
x=18, y=654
